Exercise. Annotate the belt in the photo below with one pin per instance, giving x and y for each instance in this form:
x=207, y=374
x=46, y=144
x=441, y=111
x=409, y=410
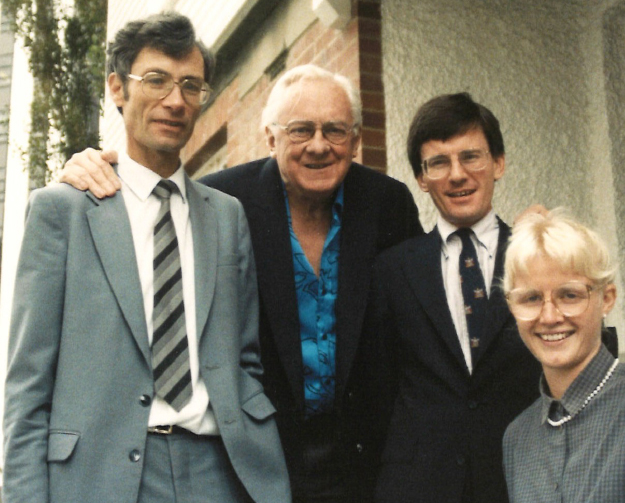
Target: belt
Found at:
x=168, y=429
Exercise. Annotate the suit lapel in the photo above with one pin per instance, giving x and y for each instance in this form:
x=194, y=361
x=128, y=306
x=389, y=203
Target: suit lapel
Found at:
x=205, y=245
x=357, y=252
x=112, y=237
x=272, y=250
x=425, y=276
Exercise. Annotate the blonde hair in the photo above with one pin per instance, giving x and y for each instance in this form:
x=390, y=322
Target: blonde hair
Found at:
x=310, y=72
x=559, y=237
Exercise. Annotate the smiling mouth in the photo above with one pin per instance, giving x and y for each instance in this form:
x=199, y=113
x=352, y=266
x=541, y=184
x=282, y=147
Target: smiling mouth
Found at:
x=175, y=124
x=317, y=166
x=462, y=193
x=555, y=337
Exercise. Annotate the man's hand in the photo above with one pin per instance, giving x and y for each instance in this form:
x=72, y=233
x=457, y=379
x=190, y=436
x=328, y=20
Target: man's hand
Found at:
x=92, y=170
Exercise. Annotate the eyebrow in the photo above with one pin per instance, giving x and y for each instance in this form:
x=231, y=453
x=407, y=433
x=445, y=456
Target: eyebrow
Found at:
x=164, y=72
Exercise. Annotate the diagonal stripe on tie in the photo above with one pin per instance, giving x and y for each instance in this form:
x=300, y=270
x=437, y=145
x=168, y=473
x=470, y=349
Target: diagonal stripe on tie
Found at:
x=170, y=346
x=167, y=294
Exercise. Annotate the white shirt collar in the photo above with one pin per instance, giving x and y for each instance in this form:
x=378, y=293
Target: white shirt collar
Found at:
x=486, y=231
x=141, y=180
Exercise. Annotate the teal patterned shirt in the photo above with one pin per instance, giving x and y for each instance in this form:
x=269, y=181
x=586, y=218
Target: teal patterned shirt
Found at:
x=316, y=300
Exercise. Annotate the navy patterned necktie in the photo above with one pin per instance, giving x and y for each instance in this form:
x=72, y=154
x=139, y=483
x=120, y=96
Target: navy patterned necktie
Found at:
x=473, y=288
x=170, y=346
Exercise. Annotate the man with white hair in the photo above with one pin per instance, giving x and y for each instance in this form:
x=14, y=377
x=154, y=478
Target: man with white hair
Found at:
x=317, y=221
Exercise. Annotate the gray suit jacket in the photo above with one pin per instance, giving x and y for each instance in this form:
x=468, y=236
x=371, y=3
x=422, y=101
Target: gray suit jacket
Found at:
x=79, y=382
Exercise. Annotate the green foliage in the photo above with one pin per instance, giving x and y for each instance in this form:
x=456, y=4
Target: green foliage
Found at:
x=66, y=48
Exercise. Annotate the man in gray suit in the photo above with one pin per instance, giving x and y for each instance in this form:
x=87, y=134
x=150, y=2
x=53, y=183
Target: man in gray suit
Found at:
x=133, y=358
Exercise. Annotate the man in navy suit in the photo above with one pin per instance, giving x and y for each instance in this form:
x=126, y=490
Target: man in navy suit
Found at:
x=456, y=368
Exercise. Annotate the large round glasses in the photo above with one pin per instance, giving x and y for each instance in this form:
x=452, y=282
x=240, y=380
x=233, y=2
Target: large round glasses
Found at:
x=570, y=299
x=303, y=131
x=158, y=85
x=439, y=166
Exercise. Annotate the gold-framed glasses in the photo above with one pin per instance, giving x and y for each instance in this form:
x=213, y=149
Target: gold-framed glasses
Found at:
x=570, y=299
x=439, y=166
x=303, y=131
x=158, y=85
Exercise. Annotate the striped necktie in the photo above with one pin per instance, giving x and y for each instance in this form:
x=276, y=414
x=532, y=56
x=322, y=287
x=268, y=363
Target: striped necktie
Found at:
x=473, y=288
x=170, y=347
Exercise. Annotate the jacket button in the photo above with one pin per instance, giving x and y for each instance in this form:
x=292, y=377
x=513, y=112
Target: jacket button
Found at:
x=134, y=455
x=460, y=459
x=145, y=400
x=472, y=404
x=359, y=447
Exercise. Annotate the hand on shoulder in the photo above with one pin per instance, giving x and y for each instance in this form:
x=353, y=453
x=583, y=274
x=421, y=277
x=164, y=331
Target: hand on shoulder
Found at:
x=92, y=170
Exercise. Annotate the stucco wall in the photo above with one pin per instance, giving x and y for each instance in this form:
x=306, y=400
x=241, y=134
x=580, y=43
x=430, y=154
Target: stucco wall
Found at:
x=541, y=66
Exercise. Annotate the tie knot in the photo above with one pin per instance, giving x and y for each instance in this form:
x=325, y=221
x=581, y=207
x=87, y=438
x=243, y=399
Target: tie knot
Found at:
x=464, y=234
x=164, y=189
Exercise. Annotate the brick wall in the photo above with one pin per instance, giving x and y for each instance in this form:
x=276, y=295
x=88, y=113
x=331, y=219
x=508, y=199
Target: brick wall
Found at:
x=354, y=51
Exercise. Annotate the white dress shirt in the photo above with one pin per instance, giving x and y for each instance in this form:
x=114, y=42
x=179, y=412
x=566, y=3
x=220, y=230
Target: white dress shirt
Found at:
x=485, y=237
x=137, y=185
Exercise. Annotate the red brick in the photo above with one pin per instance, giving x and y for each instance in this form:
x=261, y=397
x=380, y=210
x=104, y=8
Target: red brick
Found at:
x=370, y=46
x=369, y=28
x=370, y=64
x=371, y=82
x=370, y=10
x=375, y=120
x=372, y=101
x=354, y=51
x=375, y=158
x=374, y=138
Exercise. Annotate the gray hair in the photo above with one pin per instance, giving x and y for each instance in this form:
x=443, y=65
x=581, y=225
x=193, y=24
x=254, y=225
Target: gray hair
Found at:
x=310, y=72
x=559, y=237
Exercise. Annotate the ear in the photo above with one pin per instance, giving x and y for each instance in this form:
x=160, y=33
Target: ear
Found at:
x=356, y=144
x=499, y=166
x=609, y=298
x=271, y=141
x=422, y=185
x=116, y=88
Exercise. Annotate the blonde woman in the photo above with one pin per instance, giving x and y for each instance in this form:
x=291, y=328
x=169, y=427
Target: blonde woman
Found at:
x=569, y=446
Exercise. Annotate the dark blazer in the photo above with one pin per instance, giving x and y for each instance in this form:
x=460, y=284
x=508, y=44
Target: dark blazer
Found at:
x=378, y=213
x=447, y=425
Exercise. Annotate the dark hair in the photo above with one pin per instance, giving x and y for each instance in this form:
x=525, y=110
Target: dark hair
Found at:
x=168, y=32
x=449, y=115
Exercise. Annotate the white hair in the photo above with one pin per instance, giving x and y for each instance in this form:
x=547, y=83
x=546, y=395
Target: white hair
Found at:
x=309, y=72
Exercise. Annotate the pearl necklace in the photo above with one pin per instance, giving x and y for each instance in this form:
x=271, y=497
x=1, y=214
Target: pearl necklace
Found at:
x=566, y=419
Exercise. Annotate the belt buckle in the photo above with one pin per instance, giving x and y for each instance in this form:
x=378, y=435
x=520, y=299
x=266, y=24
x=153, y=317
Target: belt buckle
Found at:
x=161, y=429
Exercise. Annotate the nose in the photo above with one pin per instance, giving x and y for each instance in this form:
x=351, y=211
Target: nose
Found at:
x=318, y=144
x=174, y=99
x=550, y=314
x=456, y=172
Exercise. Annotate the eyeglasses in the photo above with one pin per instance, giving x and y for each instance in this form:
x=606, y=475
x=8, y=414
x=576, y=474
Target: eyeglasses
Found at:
x=439, y=166
x=158, y=85
x=570, y=299
x=303, y=131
